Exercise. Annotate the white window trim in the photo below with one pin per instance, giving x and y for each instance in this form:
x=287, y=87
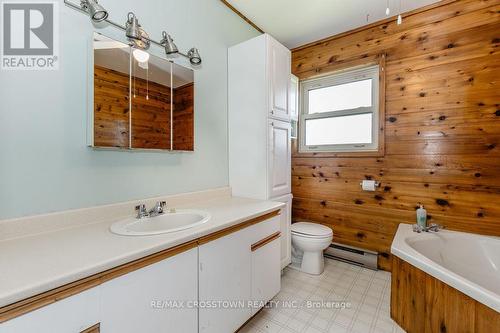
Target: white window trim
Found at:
x=342, y=77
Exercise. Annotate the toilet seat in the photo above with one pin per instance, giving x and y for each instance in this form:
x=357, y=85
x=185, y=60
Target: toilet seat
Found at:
x=311, y=230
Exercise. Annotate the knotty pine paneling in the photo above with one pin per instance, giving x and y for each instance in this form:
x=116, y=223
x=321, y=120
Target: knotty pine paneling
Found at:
x=150, y=116
x=183, y=118
x=442, y=128
x=111, y=108
x=421, y=303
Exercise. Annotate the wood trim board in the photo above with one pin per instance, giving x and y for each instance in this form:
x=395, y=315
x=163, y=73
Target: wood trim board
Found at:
x=265, y=241
x=93, y=329
x=246, y=19
x=43, y=299
x=375, y=24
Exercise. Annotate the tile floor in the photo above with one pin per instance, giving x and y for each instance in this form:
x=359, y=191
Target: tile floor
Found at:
x=365, y=293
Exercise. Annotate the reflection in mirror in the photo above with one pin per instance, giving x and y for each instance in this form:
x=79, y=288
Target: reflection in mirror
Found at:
x=151, y=95
x=183, y=108
x=111, y=93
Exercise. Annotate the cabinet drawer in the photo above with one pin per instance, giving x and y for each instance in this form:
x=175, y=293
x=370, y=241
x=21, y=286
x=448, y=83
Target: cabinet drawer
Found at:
x=266, y=273
x=73, y=314
x=264, y=229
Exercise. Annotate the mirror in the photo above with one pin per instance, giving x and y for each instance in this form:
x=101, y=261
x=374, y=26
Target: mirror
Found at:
x=183, y=108
x=140, y=101
x=151, y=91
x=111, y=109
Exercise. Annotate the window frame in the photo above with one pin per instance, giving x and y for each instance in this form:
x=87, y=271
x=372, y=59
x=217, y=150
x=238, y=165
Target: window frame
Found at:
x=353, y=74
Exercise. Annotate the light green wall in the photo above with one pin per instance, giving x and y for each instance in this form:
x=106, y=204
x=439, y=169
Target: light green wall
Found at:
x=45, y=164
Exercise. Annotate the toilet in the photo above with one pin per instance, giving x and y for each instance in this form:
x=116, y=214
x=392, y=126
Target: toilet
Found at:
x=308, y=242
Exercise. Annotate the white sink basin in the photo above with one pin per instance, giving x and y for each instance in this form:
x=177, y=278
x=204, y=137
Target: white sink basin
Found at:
x=171, y=221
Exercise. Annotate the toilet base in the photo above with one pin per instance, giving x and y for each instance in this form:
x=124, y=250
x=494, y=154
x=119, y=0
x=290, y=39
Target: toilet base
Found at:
x=308, y=262
x=313, y=263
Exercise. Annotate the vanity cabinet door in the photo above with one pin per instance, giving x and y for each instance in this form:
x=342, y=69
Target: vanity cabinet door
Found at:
x=285, y=228
x=266, y=272
x=279, y=159
x=224, y=275
x=149, y=300
x=280, y=68
x=73, y=314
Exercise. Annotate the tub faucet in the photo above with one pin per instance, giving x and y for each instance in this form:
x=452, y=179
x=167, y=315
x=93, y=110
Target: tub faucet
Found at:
x=433, y=227
x=158, y=209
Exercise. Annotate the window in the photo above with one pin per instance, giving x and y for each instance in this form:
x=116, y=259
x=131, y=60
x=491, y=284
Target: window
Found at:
x=340, y=112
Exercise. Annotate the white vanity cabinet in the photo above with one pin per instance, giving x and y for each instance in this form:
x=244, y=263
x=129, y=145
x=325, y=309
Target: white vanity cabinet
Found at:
x=259, y=87
x=73, y=314
x=286, y=235
x=279, y=158
x=212, y=284
x=224, y=275
x=154, y=298
x=233, y=270
x=279, y=67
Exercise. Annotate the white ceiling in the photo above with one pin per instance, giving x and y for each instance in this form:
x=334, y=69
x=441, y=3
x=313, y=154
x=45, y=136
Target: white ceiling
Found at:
x=298, y=22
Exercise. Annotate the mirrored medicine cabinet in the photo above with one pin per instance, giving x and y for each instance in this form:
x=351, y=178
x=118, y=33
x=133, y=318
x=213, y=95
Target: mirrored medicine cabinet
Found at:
x=139, y=100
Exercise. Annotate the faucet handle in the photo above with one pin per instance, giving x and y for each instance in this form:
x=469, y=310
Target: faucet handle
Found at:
x=141, y=211
x=161, y=206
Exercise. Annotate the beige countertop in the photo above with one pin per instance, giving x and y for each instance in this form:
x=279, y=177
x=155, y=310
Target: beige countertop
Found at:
x=43, y=261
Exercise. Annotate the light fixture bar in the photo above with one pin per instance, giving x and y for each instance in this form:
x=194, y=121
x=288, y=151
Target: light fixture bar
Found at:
x=117, y=25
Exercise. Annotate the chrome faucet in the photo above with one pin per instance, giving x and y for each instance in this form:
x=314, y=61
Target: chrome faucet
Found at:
x=433, y=227
x=158, y=209
x=141, y=210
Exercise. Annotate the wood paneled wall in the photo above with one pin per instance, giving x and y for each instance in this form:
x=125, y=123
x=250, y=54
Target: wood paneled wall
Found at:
x=111, y=108
x=150, y=116
x=421, y=303
x=442, y=128
x=184, y=117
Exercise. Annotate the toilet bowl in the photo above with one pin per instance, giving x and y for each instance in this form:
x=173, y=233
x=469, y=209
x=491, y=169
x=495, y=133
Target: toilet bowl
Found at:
x=308, y=242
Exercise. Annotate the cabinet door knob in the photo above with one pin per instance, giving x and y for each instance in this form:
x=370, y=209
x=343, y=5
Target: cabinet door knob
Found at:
x=272, y=111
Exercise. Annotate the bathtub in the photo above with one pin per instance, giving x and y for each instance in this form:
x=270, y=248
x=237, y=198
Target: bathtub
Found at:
x=467, y=262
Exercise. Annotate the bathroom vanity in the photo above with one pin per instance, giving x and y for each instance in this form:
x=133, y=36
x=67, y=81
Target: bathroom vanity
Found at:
x=91, y=280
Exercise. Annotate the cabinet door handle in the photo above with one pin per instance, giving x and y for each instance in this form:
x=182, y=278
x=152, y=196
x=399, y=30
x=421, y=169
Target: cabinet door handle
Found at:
x=272, y=111
x=265, y=241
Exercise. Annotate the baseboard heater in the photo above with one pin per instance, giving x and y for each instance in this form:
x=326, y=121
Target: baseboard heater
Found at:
x=352, y=255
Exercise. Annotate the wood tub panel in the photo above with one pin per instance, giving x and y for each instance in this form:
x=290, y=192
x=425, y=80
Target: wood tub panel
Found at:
x=421, y=303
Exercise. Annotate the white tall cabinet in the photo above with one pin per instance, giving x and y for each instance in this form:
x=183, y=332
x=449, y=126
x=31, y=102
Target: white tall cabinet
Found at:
x=259, y=125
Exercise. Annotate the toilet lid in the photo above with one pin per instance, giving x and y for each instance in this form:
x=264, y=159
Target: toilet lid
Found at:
x=311, y=229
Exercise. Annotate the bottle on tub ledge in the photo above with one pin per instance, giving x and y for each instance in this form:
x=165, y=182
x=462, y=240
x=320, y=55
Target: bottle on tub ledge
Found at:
x=421, y=217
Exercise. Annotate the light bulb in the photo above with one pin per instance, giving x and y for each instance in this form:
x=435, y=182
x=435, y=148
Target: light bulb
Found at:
x=387, y=11
x=400, y=19
x=140, y=55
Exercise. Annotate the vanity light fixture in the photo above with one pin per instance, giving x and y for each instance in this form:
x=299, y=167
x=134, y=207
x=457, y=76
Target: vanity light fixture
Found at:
x=136, y=35
x=194, y=56
x=168, y=44
x=96, y=12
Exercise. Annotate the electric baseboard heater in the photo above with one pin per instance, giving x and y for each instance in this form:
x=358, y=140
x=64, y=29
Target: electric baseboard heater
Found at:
x=352, y=255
